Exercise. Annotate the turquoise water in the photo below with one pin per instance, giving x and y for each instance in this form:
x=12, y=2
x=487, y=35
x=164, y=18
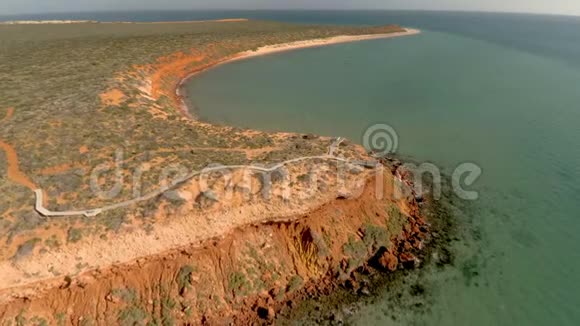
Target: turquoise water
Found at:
x=454, y=94
x=499, y=90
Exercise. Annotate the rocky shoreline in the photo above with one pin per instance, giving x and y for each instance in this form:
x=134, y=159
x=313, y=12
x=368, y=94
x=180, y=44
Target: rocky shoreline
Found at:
x=258, y=273
x=425, y=246
x=245, y=259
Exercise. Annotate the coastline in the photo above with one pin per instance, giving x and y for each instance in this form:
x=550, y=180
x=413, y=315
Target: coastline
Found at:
x=52, y=22
x=89, y=278
x=13, y=273
x=278, y=48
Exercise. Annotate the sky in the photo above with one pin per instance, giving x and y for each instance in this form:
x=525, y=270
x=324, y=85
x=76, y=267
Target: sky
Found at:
x=565, y=7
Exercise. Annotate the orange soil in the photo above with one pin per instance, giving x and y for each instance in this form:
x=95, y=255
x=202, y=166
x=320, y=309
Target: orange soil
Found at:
x=57, y=169
x=283, y=249
x=84, y=149
x=9, y=114
x=14, y=172
x=173, y=65
x=174, y=69
x=167, y=74
x=113, y=97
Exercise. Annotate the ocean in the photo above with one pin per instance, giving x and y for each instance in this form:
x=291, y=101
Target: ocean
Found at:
x=497, y=90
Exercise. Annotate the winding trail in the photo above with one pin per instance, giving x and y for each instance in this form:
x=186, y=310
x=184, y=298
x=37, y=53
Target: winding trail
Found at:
x=176, y=65
x=39, y=206
x=14, y=173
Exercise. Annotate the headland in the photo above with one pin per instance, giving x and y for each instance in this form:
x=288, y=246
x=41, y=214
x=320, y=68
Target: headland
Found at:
x=228, y=245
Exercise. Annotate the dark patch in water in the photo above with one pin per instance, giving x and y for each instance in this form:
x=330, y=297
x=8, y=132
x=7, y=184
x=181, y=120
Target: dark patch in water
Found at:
x=404, y=291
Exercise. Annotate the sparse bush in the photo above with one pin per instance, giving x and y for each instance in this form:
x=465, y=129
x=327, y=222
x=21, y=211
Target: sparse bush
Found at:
x=74, y=235
x=184, y=278
x=132, y=315
x=295, y=283
x=237, y=283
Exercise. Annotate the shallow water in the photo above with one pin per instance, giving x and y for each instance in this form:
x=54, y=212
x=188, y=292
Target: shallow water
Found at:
x=499, y=90
x=457, y=93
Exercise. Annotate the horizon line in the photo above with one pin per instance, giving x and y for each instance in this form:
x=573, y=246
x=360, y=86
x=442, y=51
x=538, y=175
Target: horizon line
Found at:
x=290, y=9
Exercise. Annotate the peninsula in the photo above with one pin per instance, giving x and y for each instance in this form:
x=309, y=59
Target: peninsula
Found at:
x=120, y=208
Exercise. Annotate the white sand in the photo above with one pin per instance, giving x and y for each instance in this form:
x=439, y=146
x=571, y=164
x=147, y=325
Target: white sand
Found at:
x=269, y=49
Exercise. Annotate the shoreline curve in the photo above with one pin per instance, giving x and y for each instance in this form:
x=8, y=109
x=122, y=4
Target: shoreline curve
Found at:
x=266, y=50
x=275, y=49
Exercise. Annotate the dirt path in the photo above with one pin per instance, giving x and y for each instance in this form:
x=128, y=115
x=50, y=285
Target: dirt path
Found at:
x=14, y=172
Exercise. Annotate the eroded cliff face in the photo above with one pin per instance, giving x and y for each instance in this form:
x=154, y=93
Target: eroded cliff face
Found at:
x=248, y=274
x=216, y=250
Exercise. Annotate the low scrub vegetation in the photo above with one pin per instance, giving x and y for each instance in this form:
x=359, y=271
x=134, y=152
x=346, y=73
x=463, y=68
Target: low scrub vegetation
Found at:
x=79, y=96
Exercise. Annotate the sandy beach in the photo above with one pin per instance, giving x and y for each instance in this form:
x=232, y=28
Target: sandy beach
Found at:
x=283, y=47
x=269, y=49
x=88, y=263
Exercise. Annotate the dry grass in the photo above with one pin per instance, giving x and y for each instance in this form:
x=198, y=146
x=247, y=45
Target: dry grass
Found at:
x=74, y=95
